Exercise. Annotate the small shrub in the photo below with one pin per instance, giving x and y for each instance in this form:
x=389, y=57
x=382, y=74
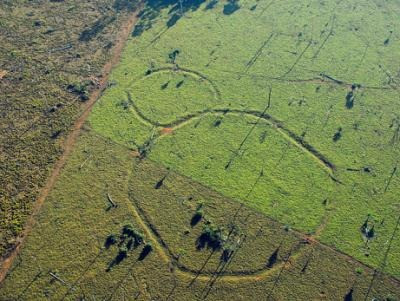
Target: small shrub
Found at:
x=263, y=136
x=386, y=42
x=130, y=244
x=350, y=100
x=337, y=135
x=370, y=233
x=125, y=104
x=218, y=122
x=173, y=55
x=80, y=89
x=227, y=253
x=172, y=21
x=164, y=86
x=231, y=7
x=128, y=230
x=137, y=237
x=367, y=229
x=211, y=4
x=160, y=183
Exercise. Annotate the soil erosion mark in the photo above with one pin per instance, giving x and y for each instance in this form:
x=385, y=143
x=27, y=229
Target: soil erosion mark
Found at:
x=68, y=145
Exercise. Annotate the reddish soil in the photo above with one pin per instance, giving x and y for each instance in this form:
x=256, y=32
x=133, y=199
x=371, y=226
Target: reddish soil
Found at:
x=167, y=131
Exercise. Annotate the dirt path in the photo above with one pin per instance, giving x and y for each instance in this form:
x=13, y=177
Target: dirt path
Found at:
x=69, y=143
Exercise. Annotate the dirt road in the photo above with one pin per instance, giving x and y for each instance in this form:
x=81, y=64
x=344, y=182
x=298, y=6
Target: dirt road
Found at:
x=70, y=141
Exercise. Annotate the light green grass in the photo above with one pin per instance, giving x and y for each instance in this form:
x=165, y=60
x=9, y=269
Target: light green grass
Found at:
x=275, y=175
x=344, y=40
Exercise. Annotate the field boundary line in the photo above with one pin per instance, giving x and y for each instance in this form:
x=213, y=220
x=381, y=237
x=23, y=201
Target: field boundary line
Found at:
x=313, y=239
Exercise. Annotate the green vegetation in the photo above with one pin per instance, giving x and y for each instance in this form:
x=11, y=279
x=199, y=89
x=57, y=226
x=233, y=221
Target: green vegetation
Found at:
x=242, y=151
x=46, y=71
x=296, y=119
x=65, y=256
x=129, y=240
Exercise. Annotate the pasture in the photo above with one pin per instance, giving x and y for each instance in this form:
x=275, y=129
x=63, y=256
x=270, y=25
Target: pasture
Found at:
x=243, y=150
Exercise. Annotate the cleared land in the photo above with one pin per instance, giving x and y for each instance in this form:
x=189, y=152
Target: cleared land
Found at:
x=51, y=58
x=320, y=148
x=67, y=256
x=242, y=151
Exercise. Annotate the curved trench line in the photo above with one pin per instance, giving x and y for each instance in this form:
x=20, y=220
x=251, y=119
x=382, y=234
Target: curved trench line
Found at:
x=311, y=239
x=168, y=256
x=214, y=89
x=278, y=125
x=259, y=274
x=177, y=69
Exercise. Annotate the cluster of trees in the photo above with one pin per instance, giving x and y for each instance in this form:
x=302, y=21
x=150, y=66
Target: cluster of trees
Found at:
x=368, y=229
x=215, y=237
x=129, y=239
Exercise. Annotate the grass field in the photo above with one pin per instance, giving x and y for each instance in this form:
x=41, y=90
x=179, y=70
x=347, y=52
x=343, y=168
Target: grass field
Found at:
x=66, y=256
x=325, y=151
x=272, y=125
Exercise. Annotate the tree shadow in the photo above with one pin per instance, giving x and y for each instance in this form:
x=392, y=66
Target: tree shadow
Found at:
x=350, y=100
x=176, y=10
x=273, y=258
x=145, y=252
x=231, y=7
x=210, y=238
x=122, y=254
x=196, y=218
x=349, y=296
